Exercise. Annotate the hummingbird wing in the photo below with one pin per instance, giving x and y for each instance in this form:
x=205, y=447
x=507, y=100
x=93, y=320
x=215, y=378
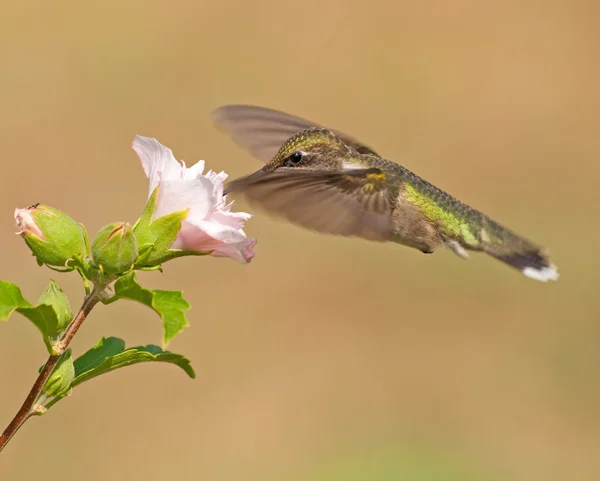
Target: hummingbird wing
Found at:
x=349, y=203
x=263, y=131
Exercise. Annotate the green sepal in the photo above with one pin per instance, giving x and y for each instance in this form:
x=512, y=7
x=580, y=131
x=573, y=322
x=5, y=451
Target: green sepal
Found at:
x=115, y=248
x=86, y=240
x=110, y=354
x=146, y=218
x=144, y=253
x=169, y=305
x=59, y=383
x=156, y=236
x=168, y=255
x=160, y=234
x=51, y=316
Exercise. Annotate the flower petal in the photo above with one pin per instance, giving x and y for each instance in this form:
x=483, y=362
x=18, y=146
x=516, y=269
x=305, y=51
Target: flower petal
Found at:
x=233, y=244
x=26, y=223
x=243, y=251
x=194, y=171
x=231, y=219
x=221, y=232
x=157, y=160
x=175, y=195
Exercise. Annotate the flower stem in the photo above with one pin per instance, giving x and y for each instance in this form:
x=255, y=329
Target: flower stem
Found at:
x=29, y=407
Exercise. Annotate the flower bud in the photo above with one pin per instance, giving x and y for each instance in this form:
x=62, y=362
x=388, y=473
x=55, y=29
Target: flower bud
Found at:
x=55, y=297
x=53, y=236
x=59, y=382
x=115, y=248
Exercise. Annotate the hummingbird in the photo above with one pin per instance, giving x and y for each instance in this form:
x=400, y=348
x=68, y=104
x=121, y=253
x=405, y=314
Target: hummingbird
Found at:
x=325, y=180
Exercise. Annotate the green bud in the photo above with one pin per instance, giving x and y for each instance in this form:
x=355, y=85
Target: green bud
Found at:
x=55, y=297
x=115, y=248
x=59, y=382
x=53, y=237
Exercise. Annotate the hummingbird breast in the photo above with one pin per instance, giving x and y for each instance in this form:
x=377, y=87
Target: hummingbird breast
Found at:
x=412, y=228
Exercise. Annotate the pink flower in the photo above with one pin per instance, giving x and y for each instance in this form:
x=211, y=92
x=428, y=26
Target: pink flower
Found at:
x=210, y=225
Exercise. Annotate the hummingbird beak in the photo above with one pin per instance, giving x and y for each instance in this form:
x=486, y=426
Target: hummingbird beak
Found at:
x=232, y=186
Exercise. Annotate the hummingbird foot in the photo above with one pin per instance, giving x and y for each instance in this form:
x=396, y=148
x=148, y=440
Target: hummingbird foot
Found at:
x=455, y=247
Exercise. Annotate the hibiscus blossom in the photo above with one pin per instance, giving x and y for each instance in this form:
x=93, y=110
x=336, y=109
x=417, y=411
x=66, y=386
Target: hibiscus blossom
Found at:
x=210, y=224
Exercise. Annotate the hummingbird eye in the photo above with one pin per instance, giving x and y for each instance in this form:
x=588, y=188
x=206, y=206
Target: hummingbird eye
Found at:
x=296, y=157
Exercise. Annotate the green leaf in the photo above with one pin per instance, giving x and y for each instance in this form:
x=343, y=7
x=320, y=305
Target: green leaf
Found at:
x=169, y=305
x=110, y=354
x=46, y=320
x=44, y=316
x=10, y=299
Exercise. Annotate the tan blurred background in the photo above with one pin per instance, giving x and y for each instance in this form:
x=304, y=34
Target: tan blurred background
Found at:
x=325, y=358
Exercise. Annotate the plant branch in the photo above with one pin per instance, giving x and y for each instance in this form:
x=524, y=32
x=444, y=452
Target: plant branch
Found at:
x=29, y=407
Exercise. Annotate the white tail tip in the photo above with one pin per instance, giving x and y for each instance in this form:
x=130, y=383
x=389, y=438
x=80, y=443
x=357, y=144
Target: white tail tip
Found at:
x=546, y=274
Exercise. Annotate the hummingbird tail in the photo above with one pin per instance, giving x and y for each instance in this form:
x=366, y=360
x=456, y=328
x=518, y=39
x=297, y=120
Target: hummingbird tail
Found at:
x=518, y=252
x=532, y=264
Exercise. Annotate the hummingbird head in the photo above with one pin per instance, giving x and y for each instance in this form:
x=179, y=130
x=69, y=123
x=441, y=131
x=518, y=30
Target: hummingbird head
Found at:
x=314, y=149
x=310, y=149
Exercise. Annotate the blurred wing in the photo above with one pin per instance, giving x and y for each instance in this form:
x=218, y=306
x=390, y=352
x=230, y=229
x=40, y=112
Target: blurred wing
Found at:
x=351, y=203
x=263, y=131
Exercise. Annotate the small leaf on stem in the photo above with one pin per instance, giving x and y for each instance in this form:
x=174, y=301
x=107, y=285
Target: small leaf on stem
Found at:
x=169, y=305
x=10, y=299
x=51, y=315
